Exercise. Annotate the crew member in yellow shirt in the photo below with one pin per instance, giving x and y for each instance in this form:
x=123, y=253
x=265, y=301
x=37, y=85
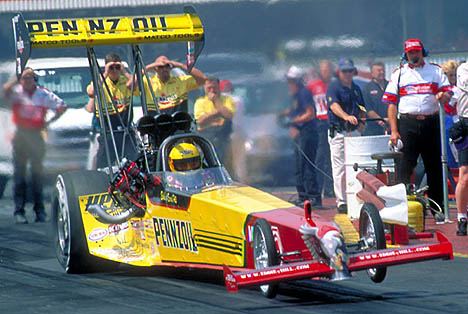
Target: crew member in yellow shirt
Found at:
x=171, y=91
x=116, y=78
x=214, y=113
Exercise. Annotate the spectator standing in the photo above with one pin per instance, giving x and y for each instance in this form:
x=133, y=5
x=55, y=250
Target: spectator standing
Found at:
x=303, y=131
x=461, y=192
x=376, y=109
x=227, y=89
x=345, y=108
x=171, y=92
x=91, y=163
x=117, y=104
x=30, y=104
x=214, y=113
x=414, y=93
x=318, y=87
x=450, y=69
x=237, y=161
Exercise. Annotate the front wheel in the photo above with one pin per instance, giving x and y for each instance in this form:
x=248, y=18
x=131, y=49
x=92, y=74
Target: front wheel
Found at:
x=69, y=235
x=371, y=233
x=265, y=253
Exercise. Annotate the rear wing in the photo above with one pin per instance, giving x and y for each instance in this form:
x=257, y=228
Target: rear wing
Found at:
x=96, y=31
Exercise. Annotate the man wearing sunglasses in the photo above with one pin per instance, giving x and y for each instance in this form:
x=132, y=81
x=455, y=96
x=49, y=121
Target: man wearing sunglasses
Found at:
x=171, y=91
x=117, y=105
x=345, y=108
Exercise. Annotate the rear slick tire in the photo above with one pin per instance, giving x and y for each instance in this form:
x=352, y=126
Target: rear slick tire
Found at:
x=372, y=230
x=70, y=240
x=265, y=253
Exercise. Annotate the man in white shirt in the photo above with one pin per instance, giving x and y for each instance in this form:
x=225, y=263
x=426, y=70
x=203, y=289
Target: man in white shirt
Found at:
x=461, y=192
x=413, y=94
x=30, y=104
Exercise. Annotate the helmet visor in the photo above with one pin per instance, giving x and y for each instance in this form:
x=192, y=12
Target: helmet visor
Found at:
x=187, y=163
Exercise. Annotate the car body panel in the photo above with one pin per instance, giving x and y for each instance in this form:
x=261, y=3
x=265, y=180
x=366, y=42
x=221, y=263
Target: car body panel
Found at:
x=205, y=228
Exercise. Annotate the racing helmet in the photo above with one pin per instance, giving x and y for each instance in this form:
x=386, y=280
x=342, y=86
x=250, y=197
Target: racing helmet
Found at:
x=184, y=157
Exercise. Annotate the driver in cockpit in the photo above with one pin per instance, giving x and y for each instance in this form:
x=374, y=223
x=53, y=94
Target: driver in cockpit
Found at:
x=185, y=160
x=184, y=157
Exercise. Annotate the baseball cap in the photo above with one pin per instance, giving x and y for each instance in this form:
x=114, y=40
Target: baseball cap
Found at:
x=225, y=85
x=346, y=64
x=413, y=44
x=294, y=73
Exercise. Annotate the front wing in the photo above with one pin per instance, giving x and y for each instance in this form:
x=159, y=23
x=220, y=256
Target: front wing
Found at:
x=359, y=261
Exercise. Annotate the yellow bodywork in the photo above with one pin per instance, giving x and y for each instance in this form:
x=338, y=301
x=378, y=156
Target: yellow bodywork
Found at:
x=94, y=31
x=209, y=231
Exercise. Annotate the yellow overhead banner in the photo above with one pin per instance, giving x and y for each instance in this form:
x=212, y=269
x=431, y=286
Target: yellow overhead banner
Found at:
x=87, y=32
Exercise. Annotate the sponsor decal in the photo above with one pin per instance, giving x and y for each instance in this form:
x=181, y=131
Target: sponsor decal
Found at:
x=139, y=227
x=72, y=27
x=174, y=234
x=118, y=229
x=168, y=197
x=97, y=234
x=427, y=88
x=230, y=278
x=276, y=236
x=104, y=199
x=276, y=271
x=394, y=253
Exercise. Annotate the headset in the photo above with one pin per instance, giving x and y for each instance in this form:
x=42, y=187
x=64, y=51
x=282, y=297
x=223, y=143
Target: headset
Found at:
x=425, y=53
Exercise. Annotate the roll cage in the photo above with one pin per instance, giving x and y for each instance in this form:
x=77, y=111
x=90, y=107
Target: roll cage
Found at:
x=97, y=31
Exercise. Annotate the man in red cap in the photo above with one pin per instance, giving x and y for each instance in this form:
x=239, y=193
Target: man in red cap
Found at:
x=413, y=95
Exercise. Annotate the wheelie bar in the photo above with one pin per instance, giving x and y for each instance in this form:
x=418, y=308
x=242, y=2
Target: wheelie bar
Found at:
x=360, y=261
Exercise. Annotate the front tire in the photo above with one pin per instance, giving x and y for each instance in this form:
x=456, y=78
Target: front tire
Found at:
x=265, y=253
x=70, y=242
x=371, y=230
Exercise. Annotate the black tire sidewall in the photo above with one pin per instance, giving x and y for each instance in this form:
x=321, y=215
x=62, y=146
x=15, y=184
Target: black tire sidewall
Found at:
x=369, y=210
x=77, y=183
x=261, y=225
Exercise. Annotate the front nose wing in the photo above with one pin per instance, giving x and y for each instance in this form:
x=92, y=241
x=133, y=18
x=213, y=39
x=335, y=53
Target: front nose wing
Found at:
x=360, y=261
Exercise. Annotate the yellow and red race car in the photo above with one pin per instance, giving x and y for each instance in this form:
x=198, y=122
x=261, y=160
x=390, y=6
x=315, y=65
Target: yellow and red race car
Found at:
x=153, y=211
x=200, y=218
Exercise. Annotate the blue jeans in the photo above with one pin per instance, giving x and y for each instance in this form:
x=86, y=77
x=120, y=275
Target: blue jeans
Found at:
x=322, y=160
x=306, y=174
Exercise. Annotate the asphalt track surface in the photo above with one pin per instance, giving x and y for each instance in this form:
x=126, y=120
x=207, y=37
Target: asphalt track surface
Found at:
x=32, y=281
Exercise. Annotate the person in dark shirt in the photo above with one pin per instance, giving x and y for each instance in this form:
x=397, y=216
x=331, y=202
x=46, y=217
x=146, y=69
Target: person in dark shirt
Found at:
x=345, y=108
x=303, y=131
x=376, y=108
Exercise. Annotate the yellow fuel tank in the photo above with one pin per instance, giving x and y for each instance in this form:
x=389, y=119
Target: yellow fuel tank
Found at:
x=416, y=215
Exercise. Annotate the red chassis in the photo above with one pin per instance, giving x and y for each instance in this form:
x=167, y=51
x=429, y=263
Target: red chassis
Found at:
x=313, y=268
